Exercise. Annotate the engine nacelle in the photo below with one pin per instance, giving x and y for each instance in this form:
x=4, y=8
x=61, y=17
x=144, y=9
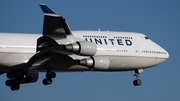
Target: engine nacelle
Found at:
x=96, y=62
x=32, y=77
x=82, y=48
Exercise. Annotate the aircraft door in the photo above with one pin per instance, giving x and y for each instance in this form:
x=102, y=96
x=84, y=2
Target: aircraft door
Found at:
x=1, y=46
x=109, y=35
x=137, y=53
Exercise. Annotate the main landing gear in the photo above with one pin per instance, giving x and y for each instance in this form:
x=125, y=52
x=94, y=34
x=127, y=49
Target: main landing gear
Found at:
x=49, y=76
x=137, y=82
x=17, y=78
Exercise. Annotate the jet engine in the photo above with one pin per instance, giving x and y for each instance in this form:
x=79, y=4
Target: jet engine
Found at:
x=82, y=48
x=96, y=62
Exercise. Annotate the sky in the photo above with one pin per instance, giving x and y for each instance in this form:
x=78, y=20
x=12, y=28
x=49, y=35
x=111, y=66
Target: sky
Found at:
x=158, y=19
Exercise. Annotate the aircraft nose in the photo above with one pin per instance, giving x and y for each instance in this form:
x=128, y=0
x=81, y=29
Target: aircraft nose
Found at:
x=167, y=54
x=163, y=56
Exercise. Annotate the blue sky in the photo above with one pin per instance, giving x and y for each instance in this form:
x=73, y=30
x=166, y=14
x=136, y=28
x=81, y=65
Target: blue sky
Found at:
x=158, y=19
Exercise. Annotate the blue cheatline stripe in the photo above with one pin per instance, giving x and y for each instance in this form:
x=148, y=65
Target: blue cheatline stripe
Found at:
x=46, y=9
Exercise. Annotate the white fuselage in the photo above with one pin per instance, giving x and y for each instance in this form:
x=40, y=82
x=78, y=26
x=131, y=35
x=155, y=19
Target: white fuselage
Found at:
x=125, y=50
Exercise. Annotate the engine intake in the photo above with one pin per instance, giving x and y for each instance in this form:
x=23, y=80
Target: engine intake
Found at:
x=96, y=62
x=82, y=48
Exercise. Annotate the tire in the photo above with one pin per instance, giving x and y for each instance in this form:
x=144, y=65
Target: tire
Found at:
x=8, y=82
x=9, y=75
x=137, y=82
x=29, y=79
x=15, y=87
x=52, y=75
x=47, y=81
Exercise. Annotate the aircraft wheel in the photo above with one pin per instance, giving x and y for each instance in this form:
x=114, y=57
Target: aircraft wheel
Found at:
x=29, y=79
x=23, y=80
x=137, y=82
x=9, y=75
x=8, y=82
x=15, y=87
x=52, y=74
x=47, y=81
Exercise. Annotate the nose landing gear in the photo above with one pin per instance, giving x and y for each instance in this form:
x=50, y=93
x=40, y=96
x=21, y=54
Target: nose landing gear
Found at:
x=137, y=82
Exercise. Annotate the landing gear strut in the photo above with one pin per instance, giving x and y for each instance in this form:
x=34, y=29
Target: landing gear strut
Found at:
x=137, y=82
x=49, y=76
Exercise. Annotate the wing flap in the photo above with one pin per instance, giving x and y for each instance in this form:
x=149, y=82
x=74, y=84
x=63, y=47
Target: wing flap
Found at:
x=54, y=54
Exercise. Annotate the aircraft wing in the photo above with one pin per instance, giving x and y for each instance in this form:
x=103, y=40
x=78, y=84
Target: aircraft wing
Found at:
x=54, y=24
x=51, y=56
x=48, y=51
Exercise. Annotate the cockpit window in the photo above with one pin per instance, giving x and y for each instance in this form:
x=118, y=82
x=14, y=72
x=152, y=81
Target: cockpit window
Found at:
x=146, y=37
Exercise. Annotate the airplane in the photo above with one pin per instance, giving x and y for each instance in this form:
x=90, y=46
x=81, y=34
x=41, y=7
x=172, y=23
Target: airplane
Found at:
x=58, y=49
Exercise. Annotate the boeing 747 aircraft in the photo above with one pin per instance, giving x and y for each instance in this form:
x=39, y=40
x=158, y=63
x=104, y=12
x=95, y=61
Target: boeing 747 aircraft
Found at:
x=58, y=49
